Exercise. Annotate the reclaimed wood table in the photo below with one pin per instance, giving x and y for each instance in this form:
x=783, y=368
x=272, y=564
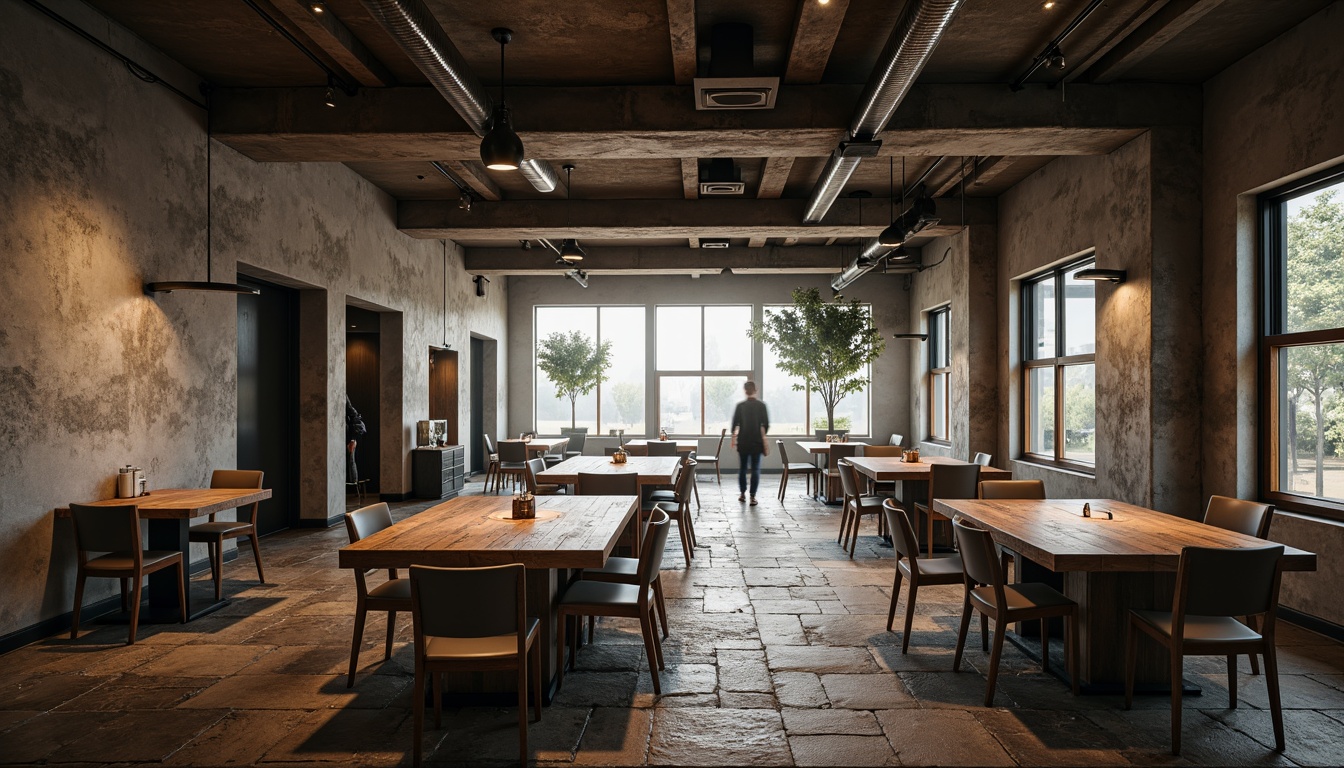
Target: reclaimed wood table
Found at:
x=914, y=477
x=538, y=446
x=467, y=532
x=169, y=512
x=1109, y=566
x=651, y=470
x=640, y=447
x=816, y=448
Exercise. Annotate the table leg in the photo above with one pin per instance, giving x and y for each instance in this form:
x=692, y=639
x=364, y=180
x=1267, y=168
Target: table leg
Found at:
x=171, y=534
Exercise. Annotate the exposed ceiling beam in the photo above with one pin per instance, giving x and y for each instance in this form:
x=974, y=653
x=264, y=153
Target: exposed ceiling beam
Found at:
x=690, y=178
x=988, y=168
x=774, y=175
x=756, y=242
x=791, y=241
x=948, y=184
x=473, y=175
x=693, y=242
x=510, y=221
x=337, y=42
x=1168, y=22
x=643, y=122
x=1079, y=65
x=814, y=36
x=659, y=260
x=681, y=28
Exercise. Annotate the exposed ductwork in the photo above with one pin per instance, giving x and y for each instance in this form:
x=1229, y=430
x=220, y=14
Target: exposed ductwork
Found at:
x=912, y=41
x=421, y=37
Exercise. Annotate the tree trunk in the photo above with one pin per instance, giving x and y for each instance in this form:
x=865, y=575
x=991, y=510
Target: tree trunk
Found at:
x=830, y=416
x=573, y=419
x=1320, y=445
x=1292, y=435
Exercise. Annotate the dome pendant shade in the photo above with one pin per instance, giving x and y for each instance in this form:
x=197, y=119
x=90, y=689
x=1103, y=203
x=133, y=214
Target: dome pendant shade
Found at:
x=501, y=149
x=570, y=251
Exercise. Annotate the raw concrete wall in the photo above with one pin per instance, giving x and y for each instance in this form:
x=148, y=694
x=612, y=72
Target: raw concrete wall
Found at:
x=102, y=188
x=1276, y=115
x=890, y=381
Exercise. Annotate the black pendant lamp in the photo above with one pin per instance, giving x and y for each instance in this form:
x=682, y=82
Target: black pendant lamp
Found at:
x=209, y=285
x=894, y=235
x=501, y=149
x=570, y=252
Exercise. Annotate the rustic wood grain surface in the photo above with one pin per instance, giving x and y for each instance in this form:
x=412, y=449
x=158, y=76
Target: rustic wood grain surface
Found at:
x=172, y=503
x=885, y=469
x=652, y=470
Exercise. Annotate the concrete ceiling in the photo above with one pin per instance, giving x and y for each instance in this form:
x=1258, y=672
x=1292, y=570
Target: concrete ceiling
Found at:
x=605, y=85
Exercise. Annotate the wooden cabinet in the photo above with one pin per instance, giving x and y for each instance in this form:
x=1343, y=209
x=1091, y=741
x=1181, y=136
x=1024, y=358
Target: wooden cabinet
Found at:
x=438, y=473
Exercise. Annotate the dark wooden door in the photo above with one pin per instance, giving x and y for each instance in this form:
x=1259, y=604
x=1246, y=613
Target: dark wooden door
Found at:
x=362, y=361
x=474, y=436
x=268, y=425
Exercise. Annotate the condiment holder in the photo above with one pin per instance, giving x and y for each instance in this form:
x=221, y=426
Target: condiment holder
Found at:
x=524, y=506
x=911, y=456
x=619, y=456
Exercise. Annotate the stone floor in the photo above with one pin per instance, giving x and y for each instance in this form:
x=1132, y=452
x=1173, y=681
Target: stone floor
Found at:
x=778, y=656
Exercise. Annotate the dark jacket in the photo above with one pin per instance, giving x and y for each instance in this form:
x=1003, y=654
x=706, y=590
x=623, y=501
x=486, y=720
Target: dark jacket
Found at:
x=750, y=420
x=354, y=423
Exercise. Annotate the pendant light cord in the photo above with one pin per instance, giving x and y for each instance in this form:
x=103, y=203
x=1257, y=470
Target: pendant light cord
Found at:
x=502, y=43
x=209, y=196
x=445, y=293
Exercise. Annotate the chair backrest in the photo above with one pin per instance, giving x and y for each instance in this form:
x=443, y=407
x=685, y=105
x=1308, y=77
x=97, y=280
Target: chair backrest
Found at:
x=953, y=481
x=107, y=529
x=902, y=532
x=489, y=445
x=661, y=448
x=840, y=451
x=896, y=439
x=783, y=452
x=849, y=480
x=1249, y=517
x=1214, y=581
x=469, y=602
x=576, y=436
x=651, y=556
x=979, y=557
x=982, y=459
x=684, y=481
x=607, y=484
x=533, y=467
x=888, y=451
x=723, y=435
x=1012, y=489
x=239, y=478
x=512, y=451
x=366, y=521
x=559, y=448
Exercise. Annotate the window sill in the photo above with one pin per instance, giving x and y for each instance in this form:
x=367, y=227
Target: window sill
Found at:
x=1077, y=470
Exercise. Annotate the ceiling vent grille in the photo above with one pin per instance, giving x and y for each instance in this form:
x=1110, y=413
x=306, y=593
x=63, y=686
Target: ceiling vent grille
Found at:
x=732, y=81
x=718, y=244
x=721, y=177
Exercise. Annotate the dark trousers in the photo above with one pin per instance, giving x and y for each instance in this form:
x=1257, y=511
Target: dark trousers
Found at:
x=749, y=462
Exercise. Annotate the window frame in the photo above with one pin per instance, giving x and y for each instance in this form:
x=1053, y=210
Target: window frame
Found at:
x=1273, y=340
x=597, y=391
x=1059, y=363
x=940, y=343
x=703, y=373
x=808, y=391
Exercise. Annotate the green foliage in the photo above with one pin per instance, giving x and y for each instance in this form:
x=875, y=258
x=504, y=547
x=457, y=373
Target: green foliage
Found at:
x=574, y=365
x=628, y=397
x=844, y=422
x=721, y=395
x=826, y=344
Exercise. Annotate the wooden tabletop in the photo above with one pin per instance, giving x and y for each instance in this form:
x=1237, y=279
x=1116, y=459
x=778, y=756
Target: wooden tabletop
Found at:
x=820, y=446
x=886, y=469
x=652, y=470
x=170, y=503
x=683, y=446
x=460, y=533
x=1055, y=534
x=540, y=444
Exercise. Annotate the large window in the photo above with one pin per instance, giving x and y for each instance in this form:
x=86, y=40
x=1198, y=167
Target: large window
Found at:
x=1059, y=366
x=704, y=358
x=800, y=411
x=618, y=402
x=940, y=373
x=1304, y=345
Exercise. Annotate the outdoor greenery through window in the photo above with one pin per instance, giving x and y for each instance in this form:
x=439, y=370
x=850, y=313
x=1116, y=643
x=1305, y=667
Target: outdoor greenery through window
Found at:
x=704, y=358
x=1304, y=344
x=940, y=372
x=1059, y=318
x=618, y=401
x=800, y=412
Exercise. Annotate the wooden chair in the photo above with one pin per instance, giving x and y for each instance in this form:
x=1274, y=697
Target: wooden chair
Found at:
x=492, y=460
x=474, y=620
x=1246, y=517
x=625, y=570
x=1011, y=489
x=883, y=451
x=677, y=505
x=533, y=467
x=1213, y=586
x=115, y=532
x=603, y=484
x=558, y=454
x=921, y=572
x=391, y=596
x=948, y=481
x=837, y=452
x=982, y=459
x=214, y=534
x=856, y=505
x=1007, y=604
x=577, y=437
x=807, y=470
x=512, y=462
x=595, y=598
x=713, y=460
x=660, y=448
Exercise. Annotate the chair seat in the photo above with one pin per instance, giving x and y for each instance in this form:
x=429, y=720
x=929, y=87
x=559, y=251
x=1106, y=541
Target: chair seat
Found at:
x=624, y=567
x=213, y=530
x=801, y=466
x=706, y=458
x=513, y=465
x=936, y=568
x=870, y=503
x=475, y=648
x=1021, y=597
x=1202, y=629
x=600, y=594
x=663, y=496
x=572, y=454
x=392, y=589
x=125, y=561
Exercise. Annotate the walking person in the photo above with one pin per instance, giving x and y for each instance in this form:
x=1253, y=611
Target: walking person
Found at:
x=751, y=421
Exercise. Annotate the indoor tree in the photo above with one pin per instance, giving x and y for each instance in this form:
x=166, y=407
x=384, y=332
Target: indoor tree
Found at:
x=827, y=345
x=574, y=364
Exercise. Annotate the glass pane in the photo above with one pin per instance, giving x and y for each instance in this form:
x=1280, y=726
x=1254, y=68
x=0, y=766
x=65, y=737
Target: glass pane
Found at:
x=554, y=412
x=1041, y=411
x=1080, y=313
x=1041, y=294
x=788, y=407
x=623, y=391
x=1080, y=413
x=679, y=338
x=721, y=396
x=938, y=418
x=851, y=413
x=679, y=404
x=1311, y=422
x=727, y=346
x=940, y=344
x=1314, y=271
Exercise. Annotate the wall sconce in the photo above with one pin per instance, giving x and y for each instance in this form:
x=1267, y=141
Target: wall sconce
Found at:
x=915, y=336
x=1102, y=275
x=480, y=281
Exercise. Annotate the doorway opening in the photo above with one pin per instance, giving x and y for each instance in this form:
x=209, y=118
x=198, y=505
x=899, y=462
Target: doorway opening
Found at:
x=475, y=437
x=364, y=393
x=268, y=420
x=443, y=389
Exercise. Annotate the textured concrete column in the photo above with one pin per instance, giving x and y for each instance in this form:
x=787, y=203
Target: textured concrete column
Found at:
x=316, y=441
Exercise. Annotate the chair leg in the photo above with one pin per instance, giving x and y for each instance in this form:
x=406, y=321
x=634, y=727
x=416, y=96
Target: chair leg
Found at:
x=910, y=616
x=522, y=711
x=660, y=604
x=783, y=482
x=256, y=555
x=961, y=633
x=560, y=649
x=685, y=537
x=1045, y=644
x=216, y=568
x=984, y=632
x=135, y=608
x=79, y=600
x=418, y=705
x=438, y=700
x=391, y=629
x=1074, y=650
x=535, y=664
x=1177, y=674
x=592, y=625
x=1272, y=683
x=1131, y=657
x=1232, y=681
x=360, y=614
x=182, y=589
x=695, y=486
x=1254, y=623
x=651, y=653
x=657, y=642
x=895, y=596
x=994, y=656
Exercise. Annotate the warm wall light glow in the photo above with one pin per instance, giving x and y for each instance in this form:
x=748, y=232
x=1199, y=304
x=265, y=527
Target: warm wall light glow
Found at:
x=1049, y=4
x=823, y=2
